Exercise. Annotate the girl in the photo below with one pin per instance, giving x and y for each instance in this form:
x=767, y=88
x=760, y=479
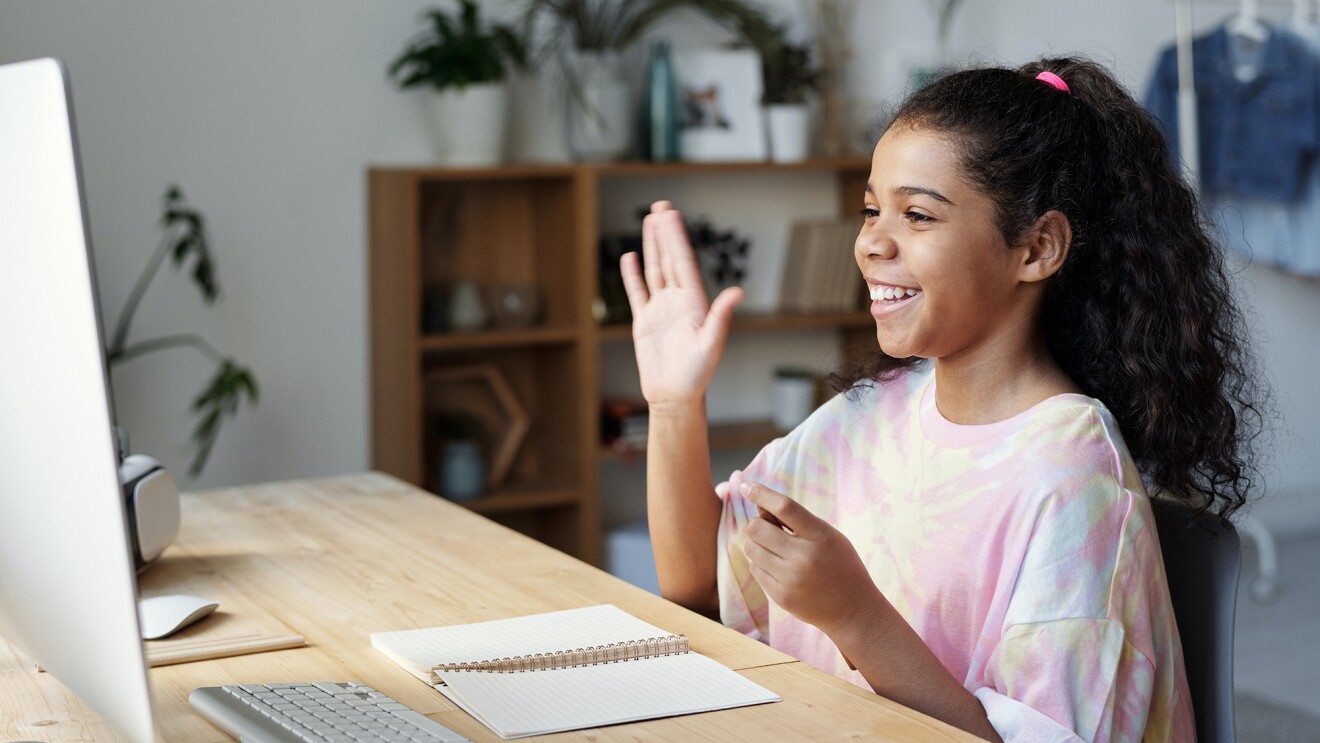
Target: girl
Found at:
x=967, y=530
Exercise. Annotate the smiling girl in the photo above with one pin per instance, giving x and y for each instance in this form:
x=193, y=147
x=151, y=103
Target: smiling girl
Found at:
x=967, y=530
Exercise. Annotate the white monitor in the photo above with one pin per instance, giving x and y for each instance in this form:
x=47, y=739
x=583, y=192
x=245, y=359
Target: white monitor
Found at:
x=67, y=585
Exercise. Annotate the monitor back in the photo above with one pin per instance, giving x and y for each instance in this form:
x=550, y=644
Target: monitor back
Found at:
x=67, y=585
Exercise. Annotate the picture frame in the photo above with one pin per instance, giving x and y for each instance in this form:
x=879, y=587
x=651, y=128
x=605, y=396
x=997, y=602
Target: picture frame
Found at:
x=720, y=116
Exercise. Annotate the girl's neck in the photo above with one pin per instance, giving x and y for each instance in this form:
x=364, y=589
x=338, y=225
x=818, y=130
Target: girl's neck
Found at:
x=998, y=379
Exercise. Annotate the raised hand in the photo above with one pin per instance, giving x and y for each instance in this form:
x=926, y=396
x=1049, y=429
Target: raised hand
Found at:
x=677, y=336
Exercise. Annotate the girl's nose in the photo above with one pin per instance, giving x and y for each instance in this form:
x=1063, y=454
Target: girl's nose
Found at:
x=875, y=242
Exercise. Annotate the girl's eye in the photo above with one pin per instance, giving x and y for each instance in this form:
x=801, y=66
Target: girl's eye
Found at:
x=869, y=213
x=917, y=216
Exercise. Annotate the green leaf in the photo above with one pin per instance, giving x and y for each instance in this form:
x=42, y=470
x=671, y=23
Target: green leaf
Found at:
x=219, y=400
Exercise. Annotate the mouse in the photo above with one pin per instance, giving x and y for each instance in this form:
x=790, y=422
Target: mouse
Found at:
x=162, y=616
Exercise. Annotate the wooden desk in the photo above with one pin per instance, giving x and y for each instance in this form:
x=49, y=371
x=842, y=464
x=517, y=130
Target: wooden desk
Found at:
x=337, y=559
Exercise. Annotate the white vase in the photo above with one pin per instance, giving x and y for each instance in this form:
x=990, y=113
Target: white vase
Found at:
x=600, y=118
x=793, y=398
x=467, y=124
x=536, y=122
x=788, y=127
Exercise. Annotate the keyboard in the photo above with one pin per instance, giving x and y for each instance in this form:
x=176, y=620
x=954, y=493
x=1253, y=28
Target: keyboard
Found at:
x=320, y=712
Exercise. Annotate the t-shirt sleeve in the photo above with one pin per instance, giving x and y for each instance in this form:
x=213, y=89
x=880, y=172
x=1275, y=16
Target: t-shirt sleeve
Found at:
x=1067, y=680
x=1073, y=658
x=743, y=604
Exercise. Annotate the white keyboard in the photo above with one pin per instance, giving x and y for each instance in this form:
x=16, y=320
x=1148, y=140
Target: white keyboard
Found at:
x=318, y=712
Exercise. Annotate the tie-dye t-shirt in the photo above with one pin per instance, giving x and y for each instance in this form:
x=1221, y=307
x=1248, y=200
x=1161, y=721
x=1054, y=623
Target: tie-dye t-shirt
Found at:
x=1023, y=552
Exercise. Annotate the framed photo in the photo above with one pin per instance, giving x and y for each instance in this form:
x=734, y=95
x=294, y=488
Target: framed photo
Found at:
x=720, y=104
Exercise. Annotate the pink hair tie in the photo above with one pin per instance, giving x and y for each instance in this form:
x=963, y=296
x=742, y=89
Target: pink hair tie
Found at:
x=1054, y=81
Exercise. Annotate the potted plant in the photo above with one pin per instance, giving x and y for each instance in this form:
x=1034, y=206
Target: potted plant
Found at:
x=185, y=240
x=582, y=39
x=464, y=65
x=789, y=75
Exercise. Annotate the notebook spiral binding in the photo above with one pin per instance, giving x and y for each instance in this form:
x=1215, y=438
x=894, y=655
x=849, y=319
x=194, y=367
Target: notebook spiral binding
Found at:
x=615, y=652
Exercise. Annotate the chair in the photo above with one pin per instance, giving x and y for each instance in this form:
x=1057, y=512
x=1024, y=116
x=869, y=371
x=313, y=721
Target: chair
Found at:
x=1202, y=558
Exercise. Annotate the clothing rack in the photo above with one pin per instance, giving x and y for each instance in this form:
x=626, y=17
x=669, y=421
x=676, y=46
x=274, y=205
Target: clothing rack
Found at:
x=1265, y=586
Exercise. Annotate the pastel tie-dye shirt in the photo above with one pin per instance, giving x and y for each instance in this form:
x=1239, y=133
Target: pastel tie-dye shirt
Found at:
x=1023, y=552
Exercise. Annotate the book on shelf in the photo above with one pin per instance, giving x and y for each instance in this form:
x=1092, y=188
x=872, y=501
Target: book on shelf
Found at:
x=820, y=272
x=567, y=670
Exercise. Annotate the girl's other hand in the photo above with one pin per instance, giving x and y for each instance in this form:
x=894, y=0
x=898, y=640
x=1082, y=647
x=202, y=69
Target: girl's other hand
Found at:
x=677, y=337
x=805, y=565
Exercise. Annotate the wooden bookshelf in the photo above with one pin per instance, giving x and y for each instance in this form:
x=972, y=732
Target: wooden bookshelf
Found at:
x=536, y=225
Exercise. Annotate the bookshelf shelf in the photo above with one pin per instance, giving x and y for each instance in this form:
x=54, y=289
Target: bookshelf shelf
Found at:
x=496, y=339
x=540, y=226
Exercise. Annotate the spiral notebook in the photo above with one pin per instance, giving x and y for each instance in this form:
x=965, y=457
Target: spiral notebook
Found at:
x=567, y=670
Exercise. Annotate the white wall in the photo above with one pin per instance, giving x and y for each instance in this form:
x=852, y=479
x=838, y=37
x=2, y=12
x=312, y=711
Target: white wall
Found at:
x=268, y=114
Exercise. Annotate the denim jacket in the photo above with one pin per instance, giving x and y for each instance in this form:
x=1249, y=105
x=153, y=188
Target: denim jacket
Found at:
x=1256, y=138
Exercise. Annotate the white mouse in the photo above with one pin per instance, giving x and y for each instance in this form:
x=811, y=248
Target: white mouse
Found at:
x=165, y=615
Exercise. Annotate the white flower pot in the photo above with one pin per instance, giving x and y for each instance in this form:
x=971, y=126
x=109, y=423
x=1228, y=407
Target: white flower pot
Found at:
x=467, y=125
x=600, y=122
x=536, y=122
x=789, y=128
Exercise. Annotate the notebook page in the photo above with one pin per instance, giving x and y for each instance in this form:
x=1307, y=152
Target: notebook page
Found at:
x=517, y=705
x=502, y=638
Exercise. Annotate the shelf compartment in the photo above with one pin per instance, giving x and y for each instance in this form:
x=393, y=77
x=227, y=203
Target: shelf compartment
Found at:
x=440, y=342
x=536, y=376
x=499, y=231
x=768, y=322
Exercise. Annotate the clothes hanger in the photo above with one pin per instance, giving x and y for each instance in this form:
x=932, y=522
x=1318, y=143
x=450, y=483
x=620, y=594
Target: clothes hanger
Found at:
x=1247, y=23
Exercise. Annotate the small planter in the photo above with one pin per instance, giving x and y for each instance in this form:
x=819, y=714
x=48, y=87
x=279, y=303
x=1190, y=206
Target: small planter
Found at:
x=794, y=397
x=600, y=124
x=462, y=470
x=467, y=125
x=788, y=127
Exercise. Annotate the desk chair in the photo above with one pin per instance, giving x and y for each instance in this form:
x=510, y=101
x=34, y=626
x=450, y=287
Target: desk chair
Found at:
x=1202, y=558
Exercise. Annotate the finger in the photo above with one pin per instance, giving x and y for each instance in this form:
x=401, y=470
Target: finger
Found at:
x=771, y=538
x=715, y=330
x=672, y=242
x=633, y=283
x=683, y=268
x=655, y=279
x=764, y=578
x=789, y=512
x=663, y=205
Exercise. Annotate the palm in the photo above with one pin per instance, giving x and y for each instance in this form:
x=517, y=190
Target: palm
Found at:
x=677, y=337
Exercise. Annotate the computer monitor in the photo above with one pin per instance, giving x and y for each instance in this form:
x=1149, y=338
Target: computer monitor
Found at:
x=67, y=585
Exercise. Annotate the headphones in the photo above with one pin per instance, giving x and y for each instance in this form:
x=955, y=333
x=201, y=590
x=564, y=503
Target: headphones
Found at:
x=151, y=498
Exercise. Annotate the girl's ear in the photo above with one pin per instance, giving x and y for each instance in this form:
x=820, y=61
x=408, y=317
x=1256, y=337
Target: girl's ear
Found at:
x=1046, y=247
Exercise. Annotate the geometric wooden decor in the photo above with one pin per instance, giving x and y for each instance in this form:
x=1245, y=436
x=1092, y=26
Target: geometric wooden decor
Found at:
x=465, y=387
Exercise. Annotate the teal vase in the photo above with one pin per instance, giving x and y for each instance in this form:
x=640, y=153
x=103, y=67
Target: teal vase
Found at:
x=662, y=106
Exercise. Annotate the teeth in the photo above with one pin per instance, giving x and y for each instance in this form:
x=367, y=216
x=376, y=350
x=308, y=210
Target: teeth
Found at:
x=891, y=293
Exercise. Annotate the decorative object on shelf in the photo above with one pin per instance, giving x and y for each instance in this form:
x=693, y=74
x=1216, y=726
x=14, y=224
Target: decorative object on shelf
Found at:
x=722, y=254
x=465, y=66
x=611, y=306
x=186, y=239
x=820, y=270
x=517, y=306
x=462, y=473
x=788, y=77
x=560, y=30
x=435, y=313
x=467, y=312
x=480, y=391
x=794, y=397
x=624, y=423
x=721, y=93
x=662, y=106
x=600, y=126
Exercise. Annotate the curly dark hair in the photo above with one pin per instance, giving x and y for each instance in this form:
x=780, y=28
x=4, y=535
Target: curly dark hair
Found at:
x=1141, y=316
